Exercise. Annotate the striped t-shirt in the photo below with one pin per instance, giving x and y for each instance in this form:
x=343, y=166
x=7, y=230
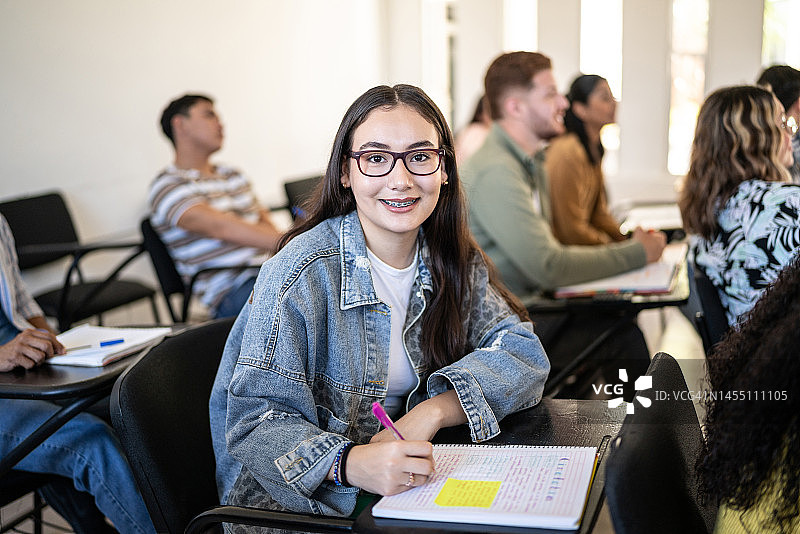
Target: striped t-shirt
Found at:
x=227, y=190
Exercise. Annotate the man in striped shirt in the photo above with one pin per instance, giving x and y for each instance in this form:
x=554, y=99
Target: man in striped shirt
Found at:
x=207, y=214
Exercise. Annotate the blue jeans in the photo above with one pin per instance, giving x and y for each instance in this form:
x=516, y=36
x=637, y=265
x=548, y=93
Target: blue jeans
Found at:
x=233, y=301
x=85, y=450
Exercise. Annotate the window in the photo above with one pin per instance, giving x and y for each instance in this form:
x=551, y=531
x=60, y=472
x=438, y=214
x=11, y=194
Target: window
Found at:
x=781, y=42
x=519, y=25
x=601, y=53
x=689, y=47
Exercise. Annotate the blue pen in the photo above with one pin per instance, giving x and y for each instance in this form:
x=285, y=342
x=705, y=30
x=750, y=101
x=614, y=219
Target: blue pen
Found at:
x=111, y=342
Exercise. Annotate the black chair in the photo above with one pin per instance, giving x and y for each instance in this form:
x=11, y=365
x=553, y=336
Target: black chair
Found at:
x=169, y=278
x=651, y=482
x=298, y=192
x=44, y=232
x=15, y=485
x=711, y=322
x=159, y=409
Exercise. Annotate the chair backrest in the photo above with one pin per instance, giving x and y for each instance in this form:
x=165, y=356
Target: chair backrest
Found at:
x=711, y=322
x=167, y=273
x=298, y=191
x=159, y=408
x=651, y=482
x=39, y=220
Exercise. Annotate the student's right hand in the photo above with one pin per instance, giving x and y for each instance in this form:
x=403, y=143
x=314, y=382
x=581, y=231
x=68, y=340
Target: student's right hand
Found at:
x=384, y=467
x=652, y=241
x=29, y=348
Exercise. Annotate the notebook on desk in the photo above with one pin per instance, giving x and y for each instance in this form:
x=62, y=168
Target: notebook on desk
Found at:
x=513, y=485
x=96, y=346
x=653, y=279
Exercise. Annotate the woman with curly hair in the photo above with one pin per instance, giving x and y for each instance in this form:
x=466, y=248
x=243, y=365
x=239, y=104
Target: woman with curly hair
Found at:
x=751, y=465
x=736, y=199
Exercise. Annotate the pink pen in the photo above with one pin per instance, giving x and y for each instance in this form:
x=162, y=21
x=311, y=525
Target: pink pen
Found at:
x=383, y=417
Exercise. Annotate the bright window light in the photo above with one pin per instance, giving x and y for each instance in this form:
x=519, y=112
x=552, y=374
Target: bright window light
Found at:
x=519, y=25
x=689, y=47
x=601, y=53
x=781, y=43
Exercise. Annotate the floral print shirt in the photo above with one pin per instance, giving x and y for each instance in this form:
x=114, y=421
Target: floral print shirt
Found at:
x=759, y=234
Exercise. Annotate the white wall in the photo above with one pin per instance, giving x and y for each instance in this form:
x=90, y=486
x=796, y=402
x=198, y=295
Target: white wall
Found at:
x=734, y=42
x=84, y=82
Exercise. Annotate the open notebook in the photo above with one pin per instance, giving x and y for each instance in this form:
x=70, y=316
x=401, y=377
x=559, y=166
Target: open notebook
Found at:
x=514, y=485
x=652, y=279
x=84, y=342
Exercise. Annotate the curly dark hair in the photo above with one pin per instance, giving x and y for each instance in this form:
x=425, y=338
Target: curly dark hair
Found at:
x=753, y=444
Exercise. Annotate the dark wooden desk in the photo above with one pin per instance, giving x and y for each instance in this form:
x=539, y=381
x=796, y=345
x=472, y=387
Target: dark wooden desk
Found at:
x=624, y=306
x=552, y=422
x=78, y=388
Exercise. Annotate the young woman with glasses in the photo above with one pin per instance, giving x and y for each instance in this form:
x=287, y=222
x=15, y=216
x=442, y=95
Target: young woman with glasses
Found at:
x=381, y=294
x=736, y=198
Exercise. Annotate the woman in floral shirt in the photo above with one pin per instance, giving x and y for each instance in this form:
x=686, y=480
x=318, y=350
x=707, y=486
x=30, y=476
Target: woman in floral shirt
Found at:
x=736, y=199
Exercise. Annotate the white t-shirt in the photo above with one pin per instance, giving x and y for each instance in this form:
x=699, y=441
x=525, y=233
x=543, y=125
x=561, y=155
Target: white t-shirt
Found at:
x=393, y=287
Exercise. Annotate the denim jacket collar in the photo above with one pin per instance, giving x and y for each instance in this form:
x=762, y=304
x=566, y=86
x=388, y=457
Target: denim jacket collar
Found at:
x=357, y=287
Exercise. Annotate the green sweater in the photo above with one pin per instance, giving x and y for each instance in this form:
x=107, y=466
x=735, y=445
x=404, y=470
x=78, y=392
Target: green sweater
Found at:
x=509, y=208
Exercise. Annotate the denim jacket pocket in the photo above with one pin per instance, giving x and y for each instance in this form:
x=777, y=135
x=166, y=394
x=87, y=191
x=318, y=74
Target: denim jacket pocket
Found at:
x=329, y=422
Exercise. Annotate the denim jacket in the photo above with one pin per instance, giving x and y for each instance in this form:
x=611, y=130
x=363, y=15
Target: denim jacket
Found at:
x=309, y=354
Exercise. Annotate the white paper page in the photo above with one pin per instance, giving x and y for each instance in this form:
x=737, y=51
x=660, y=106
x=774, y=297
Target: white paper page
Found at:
x=85, y=334
x=539, y=486
x=655, y=277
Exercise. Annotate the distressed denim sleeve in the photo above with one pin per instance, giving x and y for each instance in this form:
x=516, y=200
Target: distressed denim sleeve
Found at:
x=274, y=427
x=507, y=370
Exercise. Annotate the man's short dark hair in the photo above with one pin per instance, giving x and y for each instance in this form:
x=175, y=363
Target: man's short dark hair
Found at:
x=510, y=71
x=179, y=106
x=784, y=81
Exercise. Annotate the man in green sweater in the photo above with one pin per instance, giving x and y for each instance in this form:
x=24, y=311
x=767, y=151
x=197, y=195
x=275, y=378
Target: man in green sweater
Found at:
x=509, y=197
x=509, y=207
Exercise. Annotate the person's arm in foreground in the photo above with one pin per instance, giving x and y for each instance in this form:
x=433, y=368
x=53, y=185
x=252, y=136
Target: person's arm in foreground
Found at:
x=503, y=207
x=205, y=220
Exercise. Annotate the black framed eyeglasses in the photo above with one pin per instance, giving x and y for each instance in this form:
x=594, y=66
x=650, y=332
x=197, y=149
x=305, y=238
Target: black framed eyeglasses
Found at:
x=377, y=163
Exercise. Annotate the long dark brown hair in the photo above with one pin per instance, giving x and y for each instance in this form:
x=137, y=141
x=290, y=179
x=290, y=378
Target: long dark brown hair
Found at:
x=579, y=92
x=737, y=139
x=450, y=243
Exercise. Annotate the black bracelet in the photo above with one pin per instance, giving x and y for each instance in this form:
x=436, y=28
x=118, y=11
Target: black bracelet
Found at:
x=343, y=464
x=337, y=463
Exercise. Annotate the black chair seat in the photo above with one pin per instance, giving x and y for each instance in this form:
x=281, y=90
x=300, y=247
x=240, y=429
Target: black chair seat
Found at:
x=298, y=192
x=711, y=322
x=159, y=408
x=43, y=233
x=651, y=482
x=17, y=484
x=115, y=294
x=169, y=278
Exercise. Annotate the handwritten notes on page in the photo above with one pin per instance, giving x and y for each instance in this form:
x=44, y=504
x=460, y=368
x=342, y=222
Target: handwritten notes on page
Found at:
x=542, y=487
